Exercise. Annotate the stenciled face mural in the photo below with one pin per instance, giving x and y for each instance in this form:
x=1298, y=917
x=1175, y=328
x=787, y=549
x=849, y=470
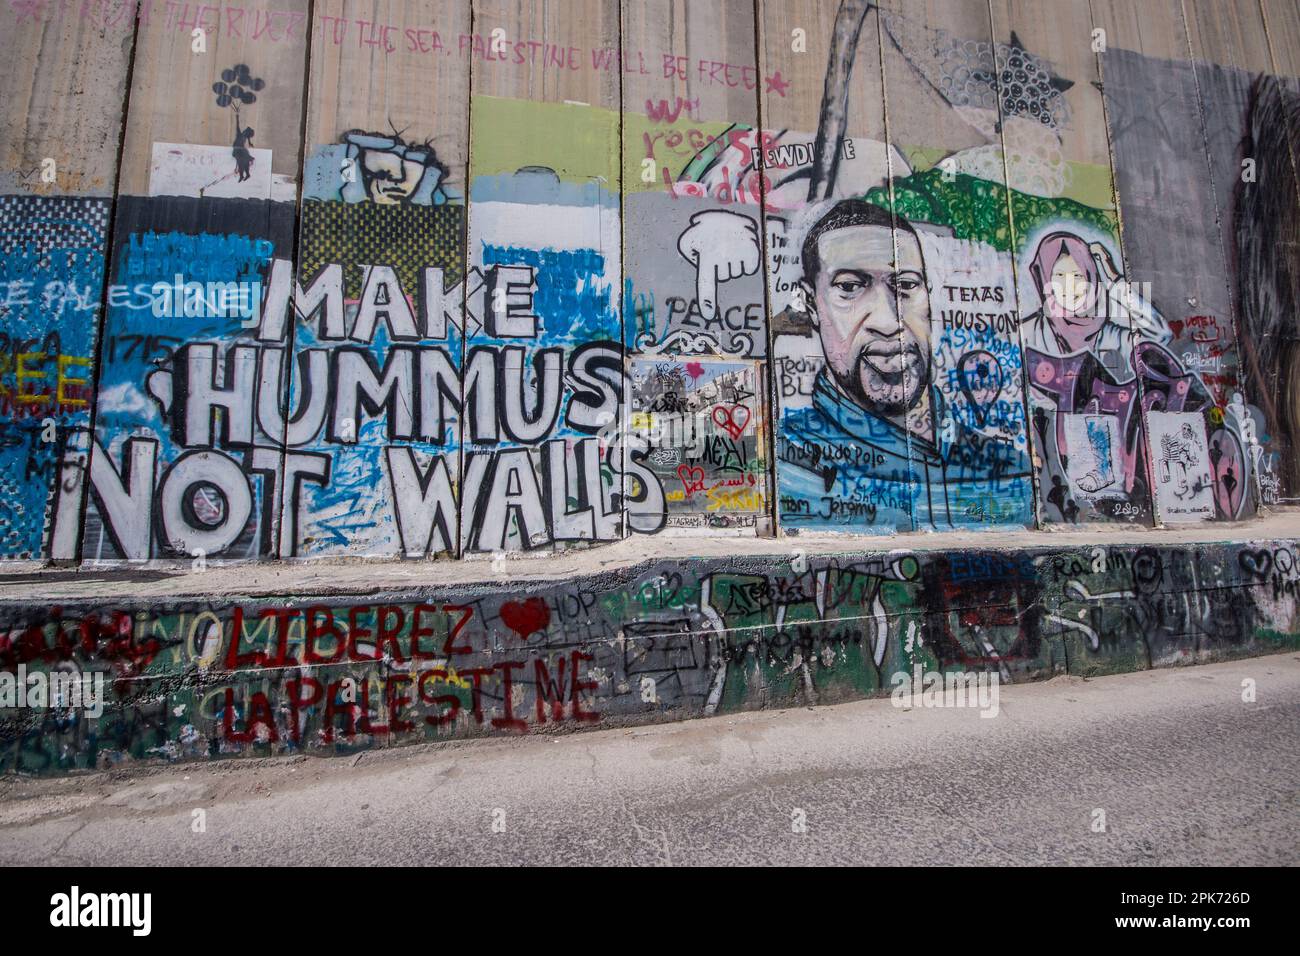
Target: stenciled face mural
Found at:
x=378, y=167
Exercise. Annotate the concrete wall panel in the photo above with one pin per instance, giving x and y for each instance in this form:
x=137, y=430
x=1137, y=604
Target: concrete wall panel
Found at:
x=383, y=226
x=696, y=329
x=186, y=459
x=62, y=117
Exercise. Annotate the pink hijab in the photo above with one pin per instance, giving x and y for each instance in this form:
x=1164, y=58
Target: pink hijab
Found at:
x=1050, y=249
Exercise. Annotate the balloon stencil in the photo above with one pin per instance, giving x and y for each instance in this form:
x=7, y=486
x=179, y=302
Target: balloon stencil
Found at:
x=237, y=87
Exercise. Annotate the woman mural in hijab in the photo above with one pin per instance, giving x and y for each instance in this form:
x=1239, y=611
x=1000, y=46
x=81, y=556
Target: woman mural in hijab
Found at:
x=1085, y=349
x=1087, y=306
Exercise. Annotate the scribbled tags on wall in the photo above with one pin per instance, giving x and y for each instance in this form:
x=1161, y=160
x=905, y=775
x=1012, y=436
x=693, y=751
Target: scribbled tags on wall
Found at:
x=702, y=424
x=672, y=639
x=261, y=23
x=51, y=290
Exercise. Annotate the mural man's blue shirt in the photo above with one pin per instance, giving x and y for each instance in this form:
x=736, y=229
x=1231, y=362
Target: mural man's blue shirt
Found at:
x=841, y=466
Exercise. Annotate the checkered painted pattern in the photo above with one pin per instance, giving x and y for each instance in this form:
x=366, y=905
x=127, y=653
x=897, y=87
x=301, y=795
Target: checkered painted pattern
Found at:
x=46, y=223
x=408, y=238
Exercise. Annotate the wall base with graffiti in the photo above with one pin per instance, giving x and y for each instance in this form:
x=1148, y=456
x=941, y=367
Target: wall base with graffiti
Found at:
x=113, y=682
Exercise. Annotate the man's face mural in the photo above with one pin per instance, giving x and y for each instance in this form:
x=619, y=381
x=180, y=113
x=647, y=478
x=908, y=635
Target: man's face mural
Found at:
x=873, y=315
x=390, y=178
x=391, y=170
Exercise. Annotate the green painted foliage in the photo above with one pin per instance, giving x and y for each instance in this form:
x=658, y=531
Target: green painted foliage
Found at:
x=976, y=208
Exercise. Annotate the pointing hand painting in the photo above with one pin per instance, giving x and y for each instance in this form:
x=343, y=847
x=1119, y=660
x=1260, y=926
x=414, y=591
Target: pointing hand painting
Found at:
x=721, y=245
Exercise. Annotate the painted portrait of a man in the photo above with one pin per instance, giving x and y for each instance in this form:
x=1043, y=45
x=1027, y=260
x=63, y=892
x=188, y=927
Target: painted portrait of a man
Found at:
x=875, y=448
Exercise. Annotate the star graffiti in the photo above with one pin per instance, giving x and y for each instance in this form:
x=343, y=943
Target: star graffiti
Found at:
x=776, y=84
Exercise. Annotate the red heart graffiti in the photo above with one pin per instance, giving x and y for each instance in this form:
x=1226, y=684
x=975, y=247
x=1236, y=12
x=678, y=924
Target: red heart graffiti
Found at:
x=526, y=617
x=692, y=478
x=733, y=418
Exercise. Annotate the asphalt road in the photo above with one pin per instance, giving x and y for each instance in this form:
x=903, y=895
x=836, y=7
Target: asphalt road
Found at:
x=1184, y=770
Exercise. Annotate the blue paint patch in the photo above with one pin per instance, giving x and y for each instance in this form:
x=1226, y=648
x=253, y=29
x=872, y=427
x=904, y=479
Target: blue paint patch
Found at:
x=574, y=298
x=51, y=289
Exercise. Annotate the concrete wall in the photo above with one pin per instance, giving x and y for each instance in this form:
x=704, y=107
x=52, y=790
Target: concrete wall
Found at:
x=66, y=96
x=661, y=640
x=423, y=280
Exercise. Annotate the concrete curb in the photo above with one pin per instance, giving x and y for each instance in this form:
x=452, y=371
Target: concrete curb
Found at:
x=199, y=677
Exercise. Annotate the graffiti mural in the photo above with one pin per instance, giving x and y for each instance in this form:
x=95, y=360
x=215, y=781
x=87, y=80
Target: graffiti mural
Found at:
x=51, y=291
x=189, y=679
x=512, y=284
x=903, y=429
x=899, y=362
x=184, y=460
x=1265, y=239
x=702, y=424
x=1220, y=351
x=183, y=464
x=374, y=385
x=608, y=301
